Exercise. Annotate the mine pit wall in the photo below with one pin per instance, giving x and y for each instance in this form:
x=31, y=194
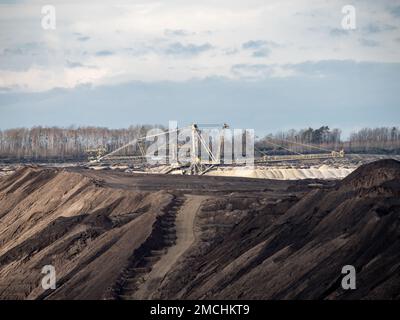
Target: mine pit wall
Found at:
x=98, y=277
x=101, y=247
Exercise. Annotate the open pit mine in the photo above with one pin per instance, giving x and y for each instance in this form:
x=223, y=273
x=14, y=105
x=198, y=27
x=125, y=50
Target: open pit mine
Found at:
x=120, y=235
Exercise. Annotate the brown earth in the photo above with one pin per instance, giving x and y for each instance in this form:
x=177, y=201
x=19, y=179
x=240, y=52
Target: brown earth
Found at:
x=114, y=235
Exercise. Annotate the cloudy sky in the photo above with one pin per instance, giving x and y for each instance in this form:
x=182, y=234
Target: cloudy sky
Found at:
x=262, y=64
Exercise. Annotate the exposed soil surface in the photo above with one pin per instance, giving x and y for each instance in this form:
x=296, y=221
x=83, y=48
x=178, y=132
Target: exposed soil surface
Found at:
x=116, y=235
x=185, y=237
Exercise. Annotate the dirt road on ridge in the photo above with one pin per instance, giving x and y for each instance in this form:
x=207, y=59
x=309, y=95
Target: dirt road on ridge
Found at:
x=185, y=238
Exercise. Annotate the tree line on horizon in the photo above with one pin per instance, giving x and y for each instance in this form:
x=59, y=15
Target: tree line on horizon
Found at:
x=70, y=144
x=385, y=140
x=64, y=144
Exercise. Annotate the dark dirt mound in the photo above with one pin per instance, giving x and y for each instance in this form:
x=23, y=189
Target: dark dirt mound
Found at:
x=87, y=232
x=296, y=249
x=373, y=174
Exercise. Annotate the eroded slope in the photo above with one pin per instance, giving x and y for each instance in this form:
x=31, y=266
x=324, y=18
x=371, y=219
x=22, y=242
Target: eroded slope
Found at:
x=295, y=249
x=87, y=232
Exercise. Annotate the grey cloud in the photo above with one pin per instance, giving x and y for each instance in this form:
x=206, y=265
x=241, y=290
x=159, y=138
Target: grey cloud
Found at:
x=368, y=42
x=5, y=89
x=104, y=53
x=12, y=51
x=372, y=28
x=336, y=32
x=75, y=64
x=377, y=28
x=395, y=11
x=231, y=51
x=139, y=50
x=26, y=48
x=262, y=53
x=252, y=71
x=326, y=67
x=253, y=67
x=254, y=44
x=261, y=48
x=168, y=48
x=24, y=55
x=71, y=64
x=350, y=68
x=177, y=32
x=190, y=49
x=83, y=38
